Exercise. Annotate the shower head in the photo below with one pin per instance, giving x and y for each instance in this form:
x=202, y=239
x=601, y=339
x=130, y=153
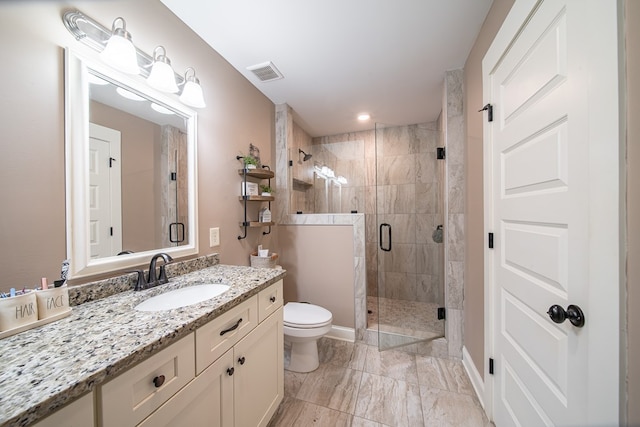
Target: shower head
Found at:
x=306, y=156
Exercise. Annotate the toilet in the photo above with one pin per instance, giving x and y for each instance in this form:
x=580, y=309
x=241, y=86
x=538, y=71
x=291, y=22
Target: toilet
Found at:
x=304, y=324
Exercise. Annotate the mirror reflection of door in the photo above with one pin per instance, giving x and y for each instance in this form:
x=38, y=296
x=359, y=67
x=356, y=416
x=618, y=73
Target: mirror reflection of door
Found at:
x=105, y=218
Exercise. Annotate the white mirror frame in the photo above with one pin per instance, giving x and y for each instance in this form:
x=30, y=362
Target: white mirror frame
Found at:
x=77, y=169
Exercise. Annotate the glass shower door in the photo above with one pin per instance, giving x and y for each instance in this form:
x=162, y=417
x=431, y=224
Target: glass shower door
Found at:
x=410, y=262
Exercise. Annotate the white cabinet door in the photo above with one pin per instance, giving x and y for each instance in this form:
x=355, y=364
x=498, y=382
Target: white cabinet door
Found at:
x=76, y=414
x=259, y=373
x=206, y=402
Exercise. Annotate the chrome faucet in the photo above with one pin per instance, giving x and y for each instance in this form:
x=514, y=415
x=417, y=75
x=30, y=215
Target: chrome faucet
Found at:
x=155, y=280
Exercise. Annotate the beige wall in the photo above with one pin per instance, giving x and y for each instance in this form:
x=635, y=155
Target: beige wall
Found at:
x=474, y=235
x=32, y=38
x=633, y=210
x=319, y=264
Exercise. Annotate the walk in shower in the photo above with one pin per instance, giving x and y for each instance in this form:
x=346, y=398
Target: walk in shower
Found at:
x=406, y=282
x=393, y=176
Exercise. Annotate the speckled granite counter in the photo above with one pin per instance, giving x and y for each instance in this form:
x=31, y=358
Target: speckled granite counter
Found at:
x=45, y=368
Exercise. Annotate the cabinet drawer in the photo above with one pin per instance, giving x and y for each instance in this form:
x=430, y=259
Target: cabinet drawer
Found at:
x=76, y=414
x=219, y=335
x=269, y=300
x=132, y=396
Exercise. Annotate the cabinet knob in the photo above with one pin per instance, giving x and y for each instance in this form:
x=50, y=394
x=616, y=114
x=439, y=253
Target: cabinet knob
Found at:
x=241, y=360
x=230, y=371
x=158, y=381
x=272, y=299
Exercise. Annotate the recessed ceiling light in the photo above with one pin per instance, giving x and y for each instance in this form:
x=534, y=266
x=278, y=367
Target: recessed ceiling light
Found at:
x=363, y=117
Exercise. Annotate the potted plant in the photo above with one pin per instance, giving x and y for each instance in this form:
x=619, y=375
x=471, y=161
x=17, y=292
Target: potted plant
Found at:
x=265, y=190
x=250, y=162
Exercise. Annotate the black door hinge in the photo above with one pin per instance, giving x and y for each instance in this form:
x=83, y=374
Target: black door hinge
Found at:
x=442, y=313
x=490, y=240
x=174, y=176
x=491, y=366
x=489, y=109
x=441, y=153
x=110, y=231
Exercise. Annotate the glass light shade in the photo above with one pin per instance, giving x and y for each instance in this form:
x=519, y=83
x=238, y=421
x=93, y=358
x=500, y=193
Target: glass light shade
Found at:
x=129, y=95
x=162, y=77
x=192, y=95
x=120, y=53
x=160, y=109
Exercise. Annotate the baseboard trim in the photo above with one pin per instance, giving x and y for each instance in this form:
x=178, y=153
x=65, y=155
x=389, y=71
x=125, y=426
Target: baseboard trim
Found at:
x=342, y=333
x=474, y=375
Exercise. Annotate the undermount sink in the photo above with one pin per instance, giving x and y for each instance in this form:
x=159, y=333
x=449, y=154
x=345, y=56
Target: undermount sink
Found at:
x=182, y=297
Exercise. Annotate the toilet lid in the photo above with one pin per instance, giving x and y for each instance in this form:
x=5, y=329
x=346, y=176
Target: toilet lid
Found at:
x=302, y=315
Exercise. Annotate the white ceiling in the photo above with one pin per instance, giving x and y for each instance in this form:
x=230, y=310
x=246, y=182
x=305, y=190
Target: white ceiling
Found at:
x=343, y=57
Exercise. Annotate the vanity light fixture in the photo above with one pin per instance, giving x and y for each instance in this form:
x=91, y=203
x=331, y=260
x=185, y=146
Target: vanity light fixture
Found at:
x=363, y=117
x=192, y=91
x=120, y=53
x=162, y=76
x=99, y=38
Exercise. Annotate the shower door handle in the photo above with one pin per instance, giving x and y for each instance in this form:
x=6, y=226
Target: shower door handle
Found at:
x=388, y=226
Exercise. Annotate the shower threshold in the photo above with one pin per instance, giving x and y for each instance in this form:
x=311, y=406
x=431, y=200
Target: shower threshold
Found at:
x=402, y=322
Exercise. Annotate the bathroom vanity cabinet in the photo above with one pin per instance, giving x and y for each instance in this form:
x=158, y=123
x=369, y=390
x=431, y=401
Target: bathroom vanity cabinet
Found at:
x=76, y=414
x=229, y=372
x=258, y=175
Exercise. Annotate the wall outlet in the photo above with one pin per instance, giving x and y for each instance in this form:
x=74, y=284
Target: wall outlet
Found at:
x=214, y=237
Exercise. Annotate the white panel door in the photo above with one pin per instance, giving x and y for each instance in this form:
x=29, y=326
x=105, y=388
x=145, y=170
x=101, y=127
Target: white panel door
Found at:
x=555, y=113
x=105, y=205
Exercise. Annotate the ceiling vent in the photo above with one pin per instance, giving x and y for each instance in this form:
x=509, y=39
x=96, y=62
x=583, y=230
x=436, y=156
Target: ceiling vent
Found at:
x=266, y=71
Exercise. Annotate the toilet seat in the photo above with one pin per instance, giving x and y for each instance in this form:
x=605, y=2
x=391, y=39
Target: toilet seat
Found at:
x=306, y=316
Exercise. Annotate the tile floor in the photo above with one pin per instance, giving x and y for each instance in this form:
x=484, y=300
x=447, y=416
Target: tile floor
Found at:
x=356, y=385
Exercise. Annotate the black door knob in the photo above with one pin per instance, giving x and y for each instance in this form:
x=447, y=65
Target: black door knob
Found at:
x=573, y=313
x=230, y=371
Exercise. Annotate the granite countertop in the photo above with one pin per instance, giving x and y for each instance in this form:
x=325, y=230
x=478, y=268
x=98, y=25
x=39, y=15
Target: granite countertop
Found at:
x=45, y=368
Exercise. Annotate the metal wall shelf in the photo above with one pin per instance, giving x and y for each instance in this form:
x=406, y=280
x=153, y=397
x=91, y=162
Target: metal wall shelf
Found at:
x=262, y=173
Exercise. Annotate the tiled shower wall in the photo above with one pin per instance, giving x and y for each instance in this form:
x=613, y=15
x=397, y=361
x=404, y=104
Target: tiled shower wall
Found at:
x=410, y=200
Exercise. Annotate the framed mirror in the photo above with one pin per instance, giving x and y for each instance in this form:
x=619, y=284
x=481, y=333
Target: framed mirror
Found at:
x=130, y=156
